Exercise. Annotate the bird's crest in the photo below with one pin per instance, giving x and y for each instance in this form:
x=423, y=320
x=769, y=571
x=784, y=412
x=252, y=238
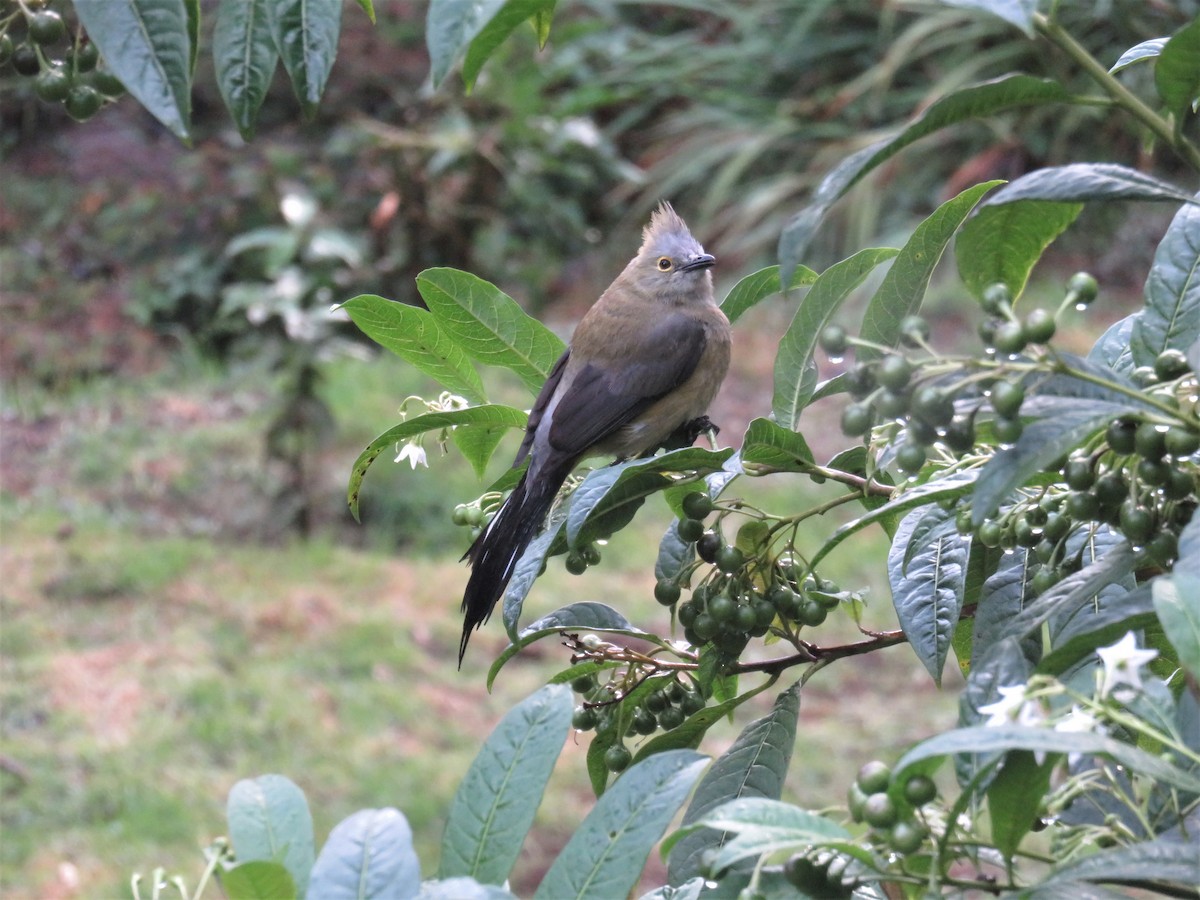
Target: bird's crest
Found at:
x=664, y=221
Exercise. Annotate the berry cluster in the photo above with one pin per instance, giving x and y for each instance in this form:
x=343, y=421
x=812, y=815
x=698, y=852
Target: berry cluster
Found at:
x=665, y=702
x=742, y=597
x=64, y=65
x=1138, y=477
x=894, y=816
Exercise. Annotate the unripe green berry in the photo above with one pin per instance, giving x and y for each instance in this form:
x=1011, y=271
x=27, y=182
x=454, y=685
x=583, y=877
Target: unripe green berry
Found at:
x=996, y=299
x=730, y=559
x=697, y=505
x=879, y=810
x=690, y=530
x=617, y=758
x=82, y=102
x=914, y=331
x=856, y=420
x=894, y=372
x=833, y=340
x=874, y=777
x=709, y=546
x=46, y=26
x=667, y=592
x=1082, y=288
x=1171, y=364
x=1121, y=436
x=1007, y=397
x=1039, y=326
x=1011, y=338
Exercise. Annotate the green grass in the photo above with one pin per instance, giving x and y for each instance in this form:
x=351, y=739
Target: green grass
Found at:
x=146, y=666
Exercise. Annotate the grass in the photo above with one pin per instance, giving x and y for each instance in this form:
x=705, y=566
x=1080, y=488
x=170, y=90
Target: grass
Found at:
x=151, y=655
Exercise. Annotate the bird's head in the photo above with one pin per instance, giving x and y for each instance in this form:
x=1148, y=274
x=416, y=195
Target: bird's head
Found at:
x=671, y=263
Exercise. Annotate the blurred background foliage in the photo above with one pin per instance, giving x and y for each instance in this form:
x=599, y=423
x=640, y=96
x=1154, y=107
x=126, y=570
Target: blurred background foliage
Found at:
x=170, y=369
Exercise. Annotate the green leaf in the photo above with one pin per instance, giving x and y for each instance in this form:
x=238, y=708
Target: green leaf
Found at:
x=674, y=553
x=477, y=443
x=450, y=26
x=776, y=449
x=794, y=387
x=1111, y=599
x=604, y=857
x=1098, y=626
x=415, y=336
x=369, y=856
x=754, y=766
x=948, y=488
x=1082, y=182
x=145, y=44
x=758, y=286
x=973, y=101
x=904, y=285
x=1004, y=595
x=269, y=820
x=1040, y=443
x=306, y=35
x=489, y=325
x=1188, y=561
x=611, y=495
x=541, y=24
x=1112, y=349
x=1002, y=663
x=462, y=889
x=496, y=30
x=585, y=616
x=1001, y=739
x=1147, y=863
x=1015, y=12
x=1177, y=72
x=526, y=572
x=1171, y=316
x=1003, y=243
x=1177, y=602
x=928, y=597
x=193, y=29
x=1150, y=49
x=244, y=56
x=488, y=416
x=257, y=880
x=1015, y=797
x=368, y=6
x=494, y=806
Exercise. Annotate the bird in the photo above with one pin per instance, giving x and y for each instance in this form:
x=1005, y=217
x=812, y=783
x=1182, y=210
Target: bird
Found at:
x=641, y=368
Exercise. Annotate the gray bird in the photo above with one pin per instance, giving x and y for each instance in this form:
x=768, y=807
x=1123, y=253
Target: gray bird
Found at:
x=642, y=366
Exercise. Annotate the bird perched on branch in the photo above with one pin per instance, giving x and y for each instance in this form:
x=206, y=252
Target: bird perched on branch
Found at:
x=642, y=367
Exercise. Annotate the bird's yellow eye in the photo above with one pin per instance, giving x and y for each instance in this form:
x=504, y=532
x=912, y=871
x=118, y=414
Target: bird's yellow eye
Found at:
x=664, y=264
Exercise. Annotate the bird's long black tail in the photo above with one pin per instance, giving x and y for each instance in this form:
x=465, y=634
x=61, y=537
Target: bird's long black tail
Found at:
x=496, y=551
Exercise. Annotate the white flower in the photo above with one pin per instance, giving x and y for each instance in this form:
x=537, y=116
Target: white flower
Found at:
x=1013, y=709
x=1122, y=664
x=1078, y=721
x=414, y=453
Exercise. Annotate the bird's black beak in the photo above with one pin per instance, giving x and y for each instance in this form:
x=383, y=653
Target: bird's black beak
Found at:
x=703, y=261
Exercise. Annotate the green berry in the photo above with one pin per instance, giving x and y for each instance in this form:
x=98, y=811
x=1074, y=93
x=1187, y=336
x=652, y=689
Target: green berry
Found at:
x=933, y=406
x=584, y=719
x=691, y=703
x=25, y=60
x=745, y=619
x=584, y=684
x=1056, y=527
x=919, y=790
x=1039, y=326
x=1082, y=288
x=805, y=875
x=1011, y=337
x=670, y=718
x=617, y=758
x=108, y=84
x=1079, y=474
x=907, y=837
x=697, y=505
x=1008, y=431
x=960, y=434
x=52, y=85
x=1181, y=442
x=85, y=57
x=82, y=102
x=1007, y=398
x=705, y=627
x=709, y=546
x=1082, y=506
x=990, y=534
x=46, y=27
x=892, y=404
x=1171, y=364
x=644, y=722
x=1179, y=485
x=920, y=432
x=1154, y=472
x=914, y=331
x=1149, y=441
x=1045, y=578
x=996, y=299
x=687, y=613
x=690, y=530
x=879, y=810
x=1163, y=548
x=1111, y=488
x=1137, y=522
x=730, y=559
x=894, y=372
x=811, y=613
x=856, y=420
x=667, y=592
x=874, y=777
x=860, y=381
x=833, y=340
x=911, y=457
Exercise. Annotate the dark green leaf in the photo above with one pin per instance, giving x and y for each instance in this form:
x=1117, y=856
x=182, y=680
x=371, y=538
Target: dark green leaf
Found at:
x=306, y=36
x=145, y=44
x=928, y=598
x=1101, y=627
x=1177, y=72
x=1015, y=12
x=1189, y=549
x=586, y=616
x=1014, y=798
x=904, y=285
x=193, y=29
x=1112, y=349
x=477, y=443
x=1145, y=50
x=777, y=449
x=1109, y=601
x=489, y=325
x=973, y=101
x=244, y=56
x=492, y=416
x=496, y=801
x=610, y=491
x=1177, y=602
x=758, y=286
x=497, y=29
x=1147, y=863
x=1004, y=595
x=415, y=336
x=269, y=820
x=450, y=26
x=257, y=880
x=541, y=23
x=604, y=857
x=674, y=553
x=754, y=766
x=369, y=856
x=1080, y=182
x=1002, y=738
x=1171, y=317
x=795, y=381
x=1040, y=443
x=933, y=525
x=526, y=572
x=1003, y=243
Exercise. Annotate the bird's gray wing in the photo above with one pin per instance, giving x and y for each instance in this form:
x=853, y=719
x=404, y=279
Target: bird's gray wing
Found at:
x=539, y=405
x=606, y=395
